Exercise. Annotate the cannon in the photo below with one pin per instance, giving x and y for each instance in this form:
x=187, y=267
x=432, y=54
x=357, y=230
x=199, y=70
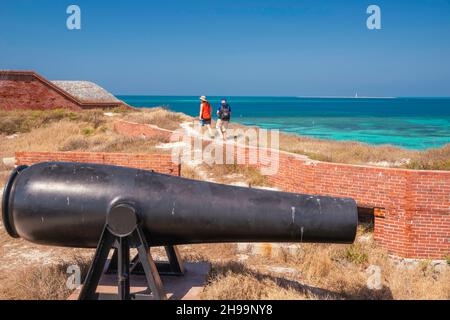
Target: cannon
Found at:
x=108, y=207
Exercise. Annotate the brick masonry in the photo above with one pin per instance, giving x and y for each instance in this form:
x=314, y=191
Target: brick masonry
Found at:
x=411, y=207
x=161, y=163
x=28, y=90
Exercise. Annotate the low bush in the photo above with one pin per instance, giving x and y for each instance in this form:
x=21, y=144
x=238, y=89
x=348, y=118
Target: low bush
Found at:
x=75, y=143
x=48, y=282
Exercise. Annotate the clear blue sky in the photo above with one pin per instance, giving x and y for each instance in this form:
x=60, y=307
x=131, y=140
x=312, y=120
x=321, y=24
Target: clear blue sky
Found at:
x=260, y=47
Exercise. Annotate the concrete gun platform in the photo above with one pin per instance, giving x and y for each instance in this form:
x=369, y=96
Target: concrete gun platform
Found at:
x=187, y=287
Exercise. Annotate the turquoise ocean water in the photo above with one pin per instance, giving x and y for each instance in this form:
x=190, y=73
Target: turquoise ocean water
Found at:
x=413, y=123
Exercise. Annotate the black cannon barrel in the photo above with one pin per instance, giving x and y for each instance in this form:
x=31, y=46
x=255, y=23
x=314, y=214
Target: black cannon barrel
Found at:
x=66, y=204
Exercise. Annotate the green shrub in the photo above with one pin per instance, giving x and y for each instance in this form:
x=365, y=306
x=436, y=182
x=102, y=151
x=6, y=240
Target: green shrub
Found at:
x=12, y=124
x=356, y=254
x=123, y=109
x=73, y=116
x=88, y=131
x=447, y=259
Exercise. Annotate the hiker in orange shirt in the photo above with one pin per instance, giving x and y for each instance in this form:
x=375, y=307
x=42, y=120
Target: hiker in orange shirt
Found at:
x=205, y=115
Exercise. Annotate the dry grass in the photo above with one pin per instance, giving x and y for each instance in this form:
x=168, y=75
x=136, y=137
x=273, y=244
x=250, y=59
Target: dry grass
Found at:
x=432, y=159
x=4, y=174
x=352, y=152
x=233, y=281
x=327, y=272
x=21, y=121
x=190, y=173
x=111, y=142
x=40, y=283
x=342, y=269
x=47, y=138
x=343, y=151
x=228, y=173
x=90, y=131
x=159, y=117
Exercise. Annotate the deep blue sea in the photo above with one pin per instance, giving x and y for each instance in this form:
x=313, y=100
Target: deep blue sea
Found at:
x=413, y=123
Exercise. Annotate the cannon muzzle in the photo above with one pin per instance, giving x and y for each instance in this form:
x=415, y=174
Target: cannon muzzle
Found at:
x=68, y=204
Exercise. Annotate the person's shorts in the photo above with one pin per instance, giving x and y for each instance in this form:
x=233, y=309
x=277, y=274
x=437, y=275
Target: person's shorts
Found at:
x=222, y=125
x=205, y=122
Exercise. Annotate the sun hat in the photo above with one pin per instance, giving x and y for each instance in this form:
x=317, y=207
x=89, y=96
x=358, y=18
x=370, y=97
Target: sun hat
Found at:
x=203, y=98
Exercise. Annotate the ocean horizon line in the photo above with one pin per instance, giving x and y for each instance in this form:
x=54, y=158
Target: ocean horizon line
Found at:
x=287, y=97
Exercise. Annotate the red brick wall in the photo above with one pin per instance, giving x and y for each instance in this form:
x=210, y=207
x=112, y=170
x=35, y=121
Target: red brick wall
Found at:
x=412, y=216
x=412, y=208
x=161, y=163
x=31, y=94
x=28, y=90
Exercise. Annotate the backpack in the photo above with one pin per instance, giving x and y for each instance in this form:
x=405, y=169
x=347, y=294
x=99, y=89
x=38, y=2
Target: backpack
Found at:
x=225, y=113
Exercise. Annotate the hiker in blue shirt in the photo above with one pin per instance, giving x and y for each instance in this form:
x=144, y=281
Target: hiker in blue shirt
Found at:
x=224, y=114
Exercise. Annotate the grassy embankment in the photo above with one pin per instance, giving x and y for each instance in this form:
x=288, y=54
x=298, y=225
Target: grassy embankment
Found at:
x=363, y=154
x=92, y=131
x=61, y=130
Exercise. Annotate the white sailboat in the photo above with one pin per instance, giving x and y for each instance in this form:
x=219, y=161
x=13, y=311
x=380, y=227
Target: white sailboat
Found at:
x=356, y=95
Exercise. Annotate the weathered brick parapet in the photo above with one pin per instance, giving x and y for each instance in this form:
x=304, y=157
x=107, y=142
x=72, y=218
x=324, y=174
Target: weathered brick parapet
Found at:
x=161, y=163
x=411, y=208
